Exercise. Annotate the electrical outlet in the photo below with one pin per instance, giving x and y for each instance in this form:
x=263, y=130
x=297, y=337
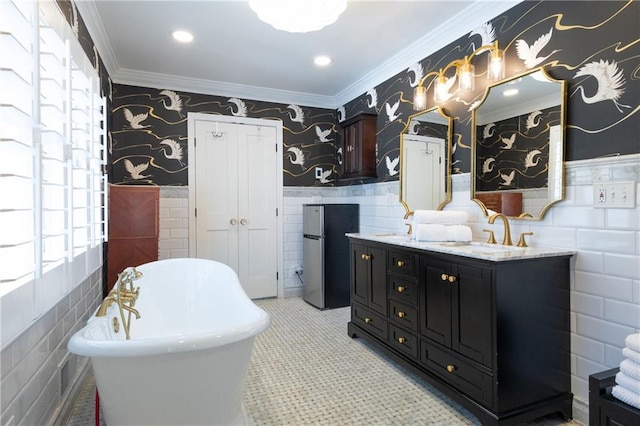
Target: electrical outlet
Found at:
x=318, y=172
x=615, y=195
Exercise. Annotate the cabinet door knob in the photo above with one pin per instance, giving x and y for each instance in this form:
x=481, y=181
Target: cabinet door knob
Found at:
x=401, y=340
x=243, y=221
x=233, y=221
x=367, y=320
x=365, y=257
x=444, y=277
x=401, y=314
x=452, y=278
x=451, y=368
x=400, y=263
x=400, y=289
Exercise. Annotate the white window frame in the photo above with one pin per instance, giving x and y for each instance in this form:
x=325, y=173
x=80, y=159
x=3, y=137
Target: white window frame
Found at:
x=79, y=160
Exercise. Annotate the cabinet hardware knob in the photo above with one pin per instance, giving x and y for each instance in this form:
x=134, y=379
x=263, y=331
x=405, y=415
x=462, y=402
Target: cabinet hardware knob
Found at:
x=233, y=221
x=400, y=289
x=400, y=263
x=401, y=314
x=365, y=257
x=444, y=277
x=401, y=340
x=452, y=278
x=243, y=221
x=367, y=320
x=451, y=368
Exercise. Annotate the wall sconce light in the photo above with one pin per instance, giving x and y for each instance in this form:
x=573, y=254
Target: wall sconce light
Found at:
x=465, y=74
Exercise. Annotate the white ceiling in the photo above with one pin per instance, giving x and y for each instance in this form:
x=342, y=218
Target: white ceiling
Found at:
x=236, y=54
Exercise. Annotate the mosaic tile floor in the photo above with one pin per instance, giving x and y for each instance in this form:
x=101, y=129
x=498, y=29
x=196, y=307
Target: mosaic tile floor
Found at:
x=306, y=370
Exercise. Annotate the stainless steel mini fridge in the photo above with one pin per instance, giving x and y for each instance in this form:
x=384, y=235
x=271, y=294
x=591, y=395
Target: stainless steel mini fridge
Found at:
x=326, y=253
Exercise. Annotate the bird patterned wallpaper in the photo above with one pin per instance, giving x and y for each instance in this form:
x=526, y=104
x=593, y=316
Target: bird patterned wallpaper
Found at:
x=503, y=163
x=148, y=142
x=592, y=45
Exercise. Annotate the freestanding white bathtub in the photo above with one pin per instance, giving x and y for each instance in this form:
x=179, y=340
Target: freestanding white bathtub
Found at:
x=189, y=352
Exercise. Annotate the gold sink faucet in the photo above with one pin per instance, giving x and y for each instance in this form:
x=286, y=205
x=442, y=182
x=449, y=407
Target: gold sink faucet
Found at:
x=507, y=230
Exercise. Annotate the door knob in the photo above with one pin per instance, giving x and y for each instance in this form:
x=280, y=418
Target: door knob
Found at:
x=444, y=277
x=400, y=263
x=233, y=221
x=452, y=278
x=243, y=221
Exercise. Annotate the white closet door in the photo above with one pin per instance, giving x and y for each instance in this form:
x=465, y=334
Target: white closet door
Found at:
x=236, y=179
x=257, y=209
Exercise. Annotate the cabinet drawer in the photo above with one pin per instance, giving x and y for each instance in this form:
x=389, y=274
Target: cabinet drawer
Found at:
x=403, y=315
x=369, y=321
x=403, y=289
x=464, y=376
x=402, y=263
x=403, y=341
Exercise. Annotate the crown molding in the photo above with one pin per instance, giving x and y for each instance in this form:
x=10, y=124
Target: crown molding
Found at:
x=218, y=88
x=468, y=19
x=92, y=21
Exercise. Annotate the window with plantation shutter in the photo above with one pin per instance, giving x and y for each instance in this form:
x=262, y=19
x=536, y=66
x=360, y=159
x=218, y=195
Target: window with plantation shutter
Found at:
x=17, y=144
x=52, y=154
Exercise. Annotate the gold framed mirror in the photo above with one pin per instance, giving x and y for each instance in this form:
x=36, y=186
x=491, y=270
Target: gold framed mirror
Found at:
x=517, y=149
x=425, y=161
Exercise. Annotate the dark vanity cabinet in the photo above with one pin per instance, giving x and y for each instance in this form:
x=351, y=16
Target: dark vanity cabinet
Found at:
x=492, y=335
x=359, y=147
x=368, y=288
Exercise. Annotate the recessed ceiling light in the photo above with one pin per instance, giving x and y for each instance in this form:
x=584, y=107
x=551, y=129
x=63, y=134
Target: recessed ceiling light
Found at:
x=182, y=36
x=322, y=60
x=510, y=92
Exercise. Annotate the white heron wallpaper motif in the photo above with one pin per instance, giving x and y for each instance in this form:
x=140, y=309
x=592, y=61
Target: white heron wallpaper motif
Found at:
x=596, y=49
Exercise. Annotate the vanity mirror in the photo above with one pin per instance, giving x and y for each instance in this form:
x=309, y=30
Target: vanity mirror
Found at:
x=518, y=146
x=425, y=161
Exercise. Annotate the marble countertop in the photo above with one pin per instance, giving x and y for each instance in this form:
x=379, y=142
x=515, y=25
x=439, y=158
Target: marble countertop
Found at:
x=474, y=249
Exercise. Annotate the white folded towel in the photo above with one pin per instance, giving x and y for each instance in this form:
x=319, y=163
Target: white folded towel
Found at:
x=449, y=217
x=441, y=233
x=430, y=232
x=630, y=368
x=628, y=382
x=631, y=354
x=459, y=233
x=626, y=396
x=633, y=341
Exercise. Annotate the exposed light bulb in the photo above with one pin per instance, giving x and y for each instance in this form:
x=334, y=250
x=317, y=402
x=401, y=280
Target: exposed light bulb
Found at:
x=419, y=98
x=466, y=77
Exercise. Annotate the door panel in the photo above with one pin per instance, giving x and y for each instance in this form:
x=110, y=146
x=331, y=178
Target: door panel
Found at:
x=436, y=302
x=236, y=198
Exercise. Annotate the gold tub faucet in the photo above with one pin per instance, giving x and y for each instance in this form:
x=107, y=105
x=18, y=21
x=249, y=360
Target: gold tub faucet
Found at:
x=506, y=241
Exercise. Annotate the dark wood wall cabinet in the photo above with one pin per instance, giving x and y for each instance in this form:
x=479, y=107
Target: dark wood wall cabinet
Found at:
x=133, y=228
x=492, y=335
x=359, y=150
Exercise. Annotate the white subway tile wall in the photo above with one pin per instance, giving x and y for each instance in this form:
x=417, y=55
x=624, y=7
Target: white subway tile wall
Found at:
x=34, y=363
x=605, y=282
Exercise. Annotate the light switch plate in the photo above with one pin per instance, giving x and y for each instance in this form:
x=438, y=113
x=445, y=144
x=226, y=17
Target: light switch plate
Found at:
x=614, y=195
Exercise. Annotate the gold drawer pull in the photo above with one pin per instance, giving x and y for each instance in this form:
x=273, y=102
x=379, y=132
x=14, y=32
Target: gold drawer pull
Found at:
x=400, y=289
x=367, y=320
x=401, y=314
x=401, y=340
x=451, y=368
x=365, y=257
x=444, y=277
x=452, y=278
x=400, y=263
